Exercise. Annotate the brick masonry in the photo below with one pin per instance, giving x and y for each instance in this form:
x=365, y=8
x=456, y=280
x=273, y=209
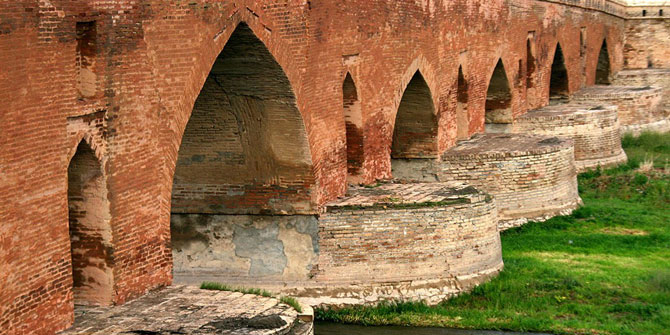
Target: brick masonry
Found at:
x=392, y=241
x=639, y=107
x=125, y=77
x=647, y=77
x=593, y=128
x=531, y=177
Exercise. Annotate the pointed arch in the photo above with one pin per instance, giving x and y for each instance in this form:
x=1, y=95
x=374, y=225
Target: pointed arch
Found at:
x=415, y=129
x=498, y=99
x=603, y=68
x=244, y=149
x=558, y=82
x=90, y=231
x=462, y=117
x=530, y=63
x=353, y=120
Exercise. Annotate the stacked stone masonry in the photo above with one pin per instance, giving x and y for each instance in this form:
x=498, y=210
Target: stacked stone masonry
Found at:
x=639, y=107
x=593, y=128
x=130, y=83
x=531, y=177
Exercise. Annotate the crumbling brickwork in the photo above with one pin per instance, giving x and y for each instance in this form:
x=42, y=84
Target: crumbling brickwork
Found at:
x=594, y=128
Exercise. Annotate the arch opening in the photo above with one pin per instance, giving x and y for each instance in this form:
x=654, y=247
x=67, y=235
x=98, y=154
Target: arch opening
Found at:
x=603, y=68
x=462, y=118
x=354, y=129
x=558, y=83
x=498, y=113
x=415, y=130
x=243, y=182
x=90, y=231
x=530, y=65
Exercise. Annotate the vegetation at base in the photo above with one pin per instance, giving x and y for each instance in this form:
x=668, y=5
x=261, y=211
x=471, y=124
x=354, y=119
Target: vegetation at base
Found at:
x=291, y=302
x=605, y=269
x=255, y=291
x=223, y=287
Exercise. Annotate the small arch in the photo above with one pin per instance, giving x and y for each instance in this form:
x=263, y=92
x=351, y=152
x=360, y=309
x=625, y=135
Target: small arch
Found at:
x=89, y=218
x=530, y=64
x=558, y=83
x=603, y=67
x=415, y=129
x=462, y=118
x=498, y=112
x=353, y=120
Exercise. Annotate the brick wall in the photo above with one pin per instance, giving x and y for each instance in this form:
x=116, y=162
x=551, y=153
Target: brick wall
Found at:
x=593, y=128
x=647, y=42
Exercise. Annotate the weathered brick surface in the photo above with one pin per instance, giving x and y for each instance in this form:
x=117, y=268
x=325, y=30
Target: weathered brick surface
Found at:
x=593, y=128
x=530, y=176
x=405, y=241
x=647, y=39
x=647, y=77
x=128, y=84
x=639, y=107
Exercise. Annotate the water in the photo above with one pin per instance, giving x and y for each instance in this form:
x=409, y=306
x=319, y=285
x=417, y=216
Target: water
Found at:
x=327, y=328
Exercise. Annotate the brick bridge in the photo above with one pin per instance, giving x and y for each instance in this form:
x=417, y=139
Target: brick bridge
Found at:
x=118, y=114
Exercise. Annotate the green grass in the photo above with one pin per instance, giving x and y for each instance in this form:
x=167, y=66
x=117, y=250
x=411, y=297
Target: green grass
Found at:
x=291, y=302
x=605, y=269
x=256, y=291
x=223, y=287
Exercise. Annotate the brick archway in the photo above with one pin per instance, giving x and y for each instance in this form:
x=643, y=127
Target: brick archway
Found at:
x=498, y=110
x=415, y=126
x=559, y=84
x=603, y=68
x=91, y=241
x=245, y=135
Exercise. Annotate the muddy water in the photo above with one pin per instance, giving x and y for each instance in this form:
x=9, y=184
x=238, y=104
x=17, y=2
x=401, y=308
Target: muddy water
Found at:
x=325, y=328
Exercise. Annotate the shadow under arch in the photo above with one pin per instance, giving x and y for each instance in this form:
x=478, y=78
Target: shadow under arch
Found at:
x=603, y=69
x=90, y=230
x=353, y=120
x=462, y=97
x=498, y=110
x=415, y=127
x=559, y=86
x=245, y=136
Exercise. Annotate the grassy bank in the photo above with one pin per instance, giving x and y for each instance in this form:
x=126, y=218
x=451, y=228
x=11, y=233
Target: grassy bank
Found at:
x=603, y=270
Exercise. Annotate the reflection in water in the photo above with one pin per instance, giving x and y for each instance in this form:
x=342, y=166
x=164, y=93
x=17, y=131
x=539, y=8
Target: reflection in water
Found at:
x=327, y=328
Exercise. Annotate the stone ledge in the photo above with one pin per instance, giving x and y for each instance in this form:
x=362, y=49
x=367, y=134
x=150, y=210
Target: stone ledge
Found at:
x=614, y=92
x=505, y=145
x=407, y=196
x=189, y=310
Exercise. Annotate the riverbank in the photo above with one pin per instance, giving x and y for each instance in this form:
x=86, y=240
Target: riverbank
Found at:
x=605, y=269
